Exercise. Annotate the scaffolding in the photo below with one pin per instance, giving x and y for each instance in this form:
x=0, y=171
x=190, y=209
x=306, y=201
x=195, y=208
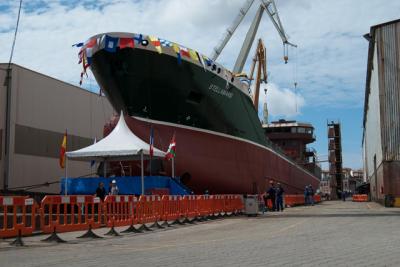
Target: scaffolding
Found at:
x=335, y=157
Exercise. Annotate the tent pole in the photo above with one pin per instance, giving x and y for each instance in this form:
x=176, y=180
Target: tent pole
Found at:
x=105, y=168
x=66, y=176
x=173, y=167
x=142, y=171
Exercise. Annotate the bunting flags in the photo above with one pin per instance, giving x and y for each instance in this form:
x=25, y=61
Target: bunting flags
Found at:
x=209, y=62
x=63, y=149
x=201, y=60
x=184, y=51
x=77, y=45
x=140, y=40
x=178, y=52
x=165, y=43
x=157, y=45
x=126, y=43
x=89, y=50
x=193, y=54
x=110, y=44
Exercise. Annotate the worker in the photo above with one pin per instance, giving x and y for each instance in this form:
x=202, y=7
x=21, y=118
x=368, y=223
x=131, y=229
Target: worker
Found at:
x=279, y=197
x=306, y=199
x=311, y=195
x=101, y=191
x=114, y=188
x=271, y=195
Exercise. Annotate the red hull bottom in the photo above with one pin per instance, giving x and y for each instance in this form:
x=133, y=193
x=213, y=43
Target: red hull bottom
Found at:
x=222, y=164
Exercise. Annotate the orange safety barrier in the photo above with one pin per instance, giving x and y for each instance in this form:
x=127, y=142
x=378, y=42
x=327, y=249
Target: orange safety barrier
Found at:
x=239, y=203
x=147, y=209
x=119, y=210
x=293, y=200
x=70, y=213
x=74, y=213
x=317, y=198
x=360, y=198
x=170, y=208
x=189, y=206
x=18, y=216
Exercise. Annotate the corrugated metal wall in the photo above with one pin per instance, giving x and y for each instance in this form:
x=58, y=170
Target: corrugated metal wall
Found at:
x=388, y=45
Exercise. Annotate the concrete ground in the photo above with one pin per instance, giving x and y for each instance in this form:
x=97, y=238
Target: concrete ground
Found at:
x=330, y=234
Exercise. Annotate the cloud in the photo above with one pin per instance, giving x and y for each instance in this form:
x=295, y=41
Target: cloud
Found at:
x=331, y=61
x=281, y=102
x=329, y=64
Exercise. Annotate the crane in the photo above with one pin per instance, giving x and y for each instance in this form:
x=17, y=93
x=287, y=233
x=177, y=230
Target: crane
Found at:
x=260, y=57
x=265, y=5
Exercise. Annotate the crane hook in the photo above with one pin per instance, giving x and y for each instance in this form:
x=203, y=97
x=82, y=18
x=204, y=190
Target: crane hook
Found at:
x=285, y=53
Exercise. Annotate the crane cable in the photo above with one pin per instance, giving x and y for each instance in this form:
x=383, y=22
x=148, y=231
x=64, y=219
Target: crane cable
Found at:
x=295, y=77
x=15, y=35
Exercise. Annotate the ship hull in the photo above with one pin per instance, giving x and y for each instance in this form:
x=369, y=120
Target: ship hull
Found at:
x=221, y=146
x=219, y=163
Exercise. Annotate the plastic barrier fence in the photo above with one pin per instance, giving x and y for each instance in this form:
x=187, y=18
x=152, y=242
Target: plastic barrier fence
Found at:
x=70, y=213
x=360, y=198
x=75, y=213
x=18, y=216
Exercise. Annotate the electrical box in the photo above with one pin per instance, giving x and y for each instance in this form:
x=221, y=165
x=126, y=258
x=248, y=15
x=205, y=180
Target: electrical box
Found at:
x=251, y=205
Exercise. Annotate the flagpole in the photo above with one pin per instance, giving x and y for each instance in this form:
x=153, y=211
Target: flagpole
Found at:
x=142, y=172
x=66, y=163
x=66, y=175
x=173, y=167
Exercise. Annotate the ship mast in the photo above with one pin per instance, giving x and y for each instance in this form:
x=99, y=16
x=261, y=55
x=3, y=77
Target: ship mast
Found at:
x=270, y=8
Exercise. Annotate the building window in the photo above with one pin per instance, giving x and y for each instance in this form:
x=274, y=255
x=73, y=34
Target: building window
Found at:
x=301, y=130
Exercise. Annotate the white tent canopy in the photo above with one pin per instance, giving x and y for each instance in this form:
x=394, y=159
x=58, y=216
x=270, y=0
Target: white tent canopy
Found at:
x=120, y=144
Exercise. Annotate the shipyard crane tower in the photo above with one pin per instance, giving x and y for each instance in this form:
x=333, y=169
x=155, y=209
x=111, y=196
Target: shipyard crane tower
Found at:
x=265, y=5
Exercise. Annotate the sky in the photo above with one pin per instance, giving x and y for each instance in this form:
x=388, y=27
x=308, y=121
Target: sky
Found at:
x=329, y=64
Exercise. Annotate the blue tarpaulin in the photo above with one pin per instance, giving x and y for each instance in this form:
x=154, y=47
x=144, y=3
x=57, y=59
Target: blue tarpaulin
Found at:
x=127, y=185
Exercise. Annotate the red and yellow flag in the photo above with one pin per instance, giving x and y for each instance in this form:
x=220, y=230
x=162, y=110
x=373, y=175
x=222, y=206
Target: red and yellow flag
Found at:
x=63, y=149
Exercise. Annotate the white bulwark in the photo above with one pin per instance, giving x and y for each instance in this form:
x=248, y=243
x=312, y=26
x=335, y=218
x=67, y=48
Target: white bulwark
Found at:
x=41, y=109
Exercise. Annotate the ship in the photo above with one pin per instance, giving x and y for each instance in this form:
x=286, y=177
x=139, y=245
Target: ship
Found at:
x=221, y=144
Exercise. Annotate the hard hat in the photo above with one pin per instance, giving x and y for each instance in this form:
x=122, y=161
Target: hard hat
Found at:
x=114, y=182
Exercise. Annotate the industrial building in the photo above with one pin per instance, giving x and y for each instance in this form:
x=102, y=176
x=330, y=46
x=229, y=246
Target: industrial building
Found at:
x=36, y=110
x=381, y=123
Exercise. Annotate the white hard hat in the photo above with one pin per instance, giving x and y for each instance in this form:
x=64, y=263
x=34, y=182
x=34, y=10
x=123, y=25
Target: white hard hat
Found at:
x=114, y=182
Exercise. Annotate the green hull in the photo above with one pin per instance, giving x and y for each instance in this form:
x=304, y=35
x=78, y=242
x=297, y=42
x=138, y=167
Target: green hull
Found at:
x=151, y=85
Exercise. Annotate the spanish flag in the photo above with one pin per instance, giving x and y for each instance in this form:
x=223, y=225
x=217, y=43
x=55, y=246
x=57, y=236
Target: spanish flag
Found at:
x=63, y=149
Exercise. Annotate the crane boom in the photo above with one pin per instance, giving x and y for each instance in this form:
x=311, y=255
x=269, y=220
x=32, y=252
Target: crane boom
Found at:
x=229, y=32
x=270, y=7
x=265, y=5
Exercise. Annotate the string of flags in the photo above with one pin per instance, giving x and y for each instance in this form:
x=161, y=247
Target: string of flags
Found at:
x=111, y=44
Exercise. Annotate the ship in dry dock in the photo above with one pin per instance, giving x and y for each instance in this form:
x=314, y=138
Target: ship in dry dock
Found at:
x=221, y=144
